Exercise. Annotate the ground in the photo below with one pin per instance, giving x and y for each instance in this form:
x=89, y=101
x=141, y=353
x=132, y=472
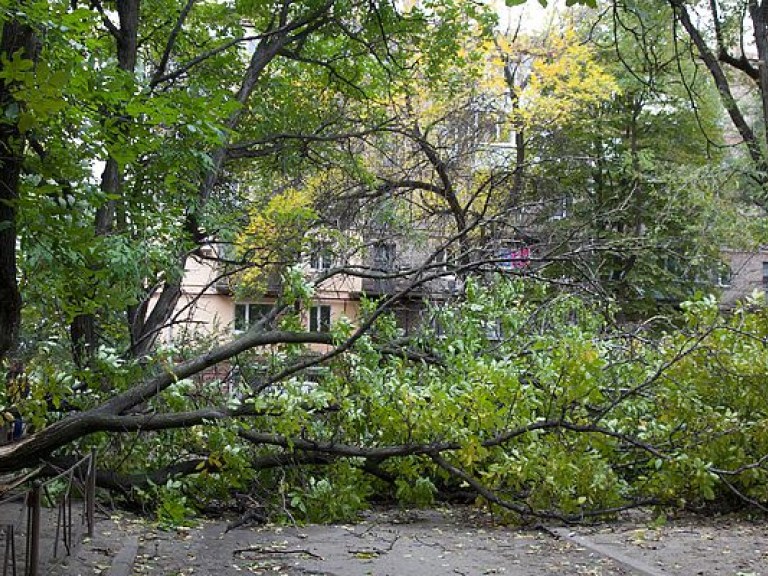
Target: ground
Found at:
x=425, y=543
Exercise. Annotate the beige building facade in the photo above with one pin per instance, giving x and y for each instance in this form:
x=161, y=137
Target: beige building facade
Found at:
x=209, y=308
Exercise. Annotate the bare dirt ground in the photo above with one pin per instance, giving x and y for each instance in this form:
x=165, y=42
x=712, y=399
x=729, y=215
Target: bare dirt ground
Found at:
x=425, y=543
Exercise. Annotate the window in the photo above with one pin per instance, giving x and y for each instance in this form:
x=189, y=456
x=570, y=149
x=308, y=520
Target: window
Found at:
x=765, y=274
x=321, y=257
x=444, y=260
x=725, y=276
x=561, y=208
x=320, y=319
x=384, y=254
x=246, y=315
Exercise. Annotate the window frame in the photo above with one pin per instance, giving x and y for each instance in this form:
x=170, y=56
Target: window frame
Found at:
x=253, y=313
x=320, y=318
x=321, y=257
x=385, y=255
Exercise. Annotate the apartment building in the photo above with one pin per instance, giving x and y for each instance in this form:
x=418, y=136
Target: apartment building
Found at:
x=746, y=271
x=210, y=306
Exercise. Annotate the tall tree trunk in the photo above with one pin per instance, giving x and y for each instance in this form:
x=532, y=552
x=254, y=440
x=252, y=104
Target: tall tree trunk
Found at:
x=758, y=12
x=145, y=328
x=723, y=84
x=83, y=330
x=16, y=37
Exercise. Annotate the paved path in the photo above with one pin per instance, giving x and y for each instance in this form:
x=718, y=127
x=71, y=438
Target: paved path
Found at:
x=424, y=543
x=54, y=544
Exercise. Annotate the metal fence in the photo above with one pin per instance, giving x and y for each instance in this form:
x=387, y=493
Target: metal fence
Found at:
x=38, y=527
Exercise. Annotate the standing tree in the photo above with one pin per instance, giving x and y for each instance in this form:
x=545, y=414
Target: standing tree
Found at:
x=730, y=42
x=129, y=128
x=632, y=169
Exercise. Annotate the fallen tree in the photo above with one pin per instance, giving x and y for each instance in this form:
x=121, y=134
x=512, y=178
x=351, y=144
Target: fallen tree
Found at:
x=564, y=417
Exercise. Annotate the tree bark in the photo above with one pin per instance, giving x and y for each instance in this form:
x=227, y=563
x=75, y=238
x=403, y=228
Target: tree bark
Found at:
x=83, y=330
x=16, y=37
x=758, y=12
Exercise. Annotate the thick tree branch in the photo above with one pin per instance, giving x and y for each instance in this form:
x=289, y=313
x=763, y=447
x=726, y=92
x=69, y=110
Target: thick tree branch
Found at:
x=110, y=26
x=125, y=483
x=247, y=341
x=742, y=62
x=275, y=142
x=413, y=185
x=487, y=493
x=384, y=452
x=449, y=192
x=200, y=58
x=107, y=417
x=266, y=50
x=723, y=86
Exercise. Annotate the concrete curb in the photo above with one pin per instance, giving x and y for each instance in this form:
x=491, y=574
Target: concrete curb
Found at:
x=636, y=566
x=122, y=563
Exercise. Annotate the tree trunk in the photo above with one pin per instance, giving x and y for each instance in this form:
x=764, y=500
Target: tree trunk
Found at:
x=759, y=15
x=724, y=86
x=15, y=37
x=145, y=327
x=83, y=330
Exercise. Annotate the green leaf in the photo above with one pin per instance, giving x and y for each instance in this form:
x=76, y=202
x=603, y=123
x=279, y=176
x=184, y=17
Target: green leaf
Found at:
x=26, y=121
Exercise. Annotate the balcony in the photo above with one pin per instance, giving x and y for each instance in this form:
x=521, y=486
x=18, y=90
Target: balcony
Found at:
x=226, y=285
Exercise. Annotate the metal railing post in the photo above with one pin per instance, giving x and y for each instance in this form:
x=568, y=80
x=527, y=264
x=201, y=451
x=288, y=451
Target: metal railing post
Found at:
x=10, y=551
x=90, y=494
x=33, y=531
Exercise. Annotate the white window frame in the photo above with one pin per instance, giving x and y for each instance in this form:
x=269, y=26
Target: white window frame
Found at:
x=320, y=318
x=250, y=309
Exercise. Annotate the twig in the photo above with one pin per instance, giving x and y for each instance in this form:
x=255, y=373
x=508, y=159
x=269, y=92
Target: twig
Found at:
x=261, y=550
x=376, y=551
x=741, y=495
